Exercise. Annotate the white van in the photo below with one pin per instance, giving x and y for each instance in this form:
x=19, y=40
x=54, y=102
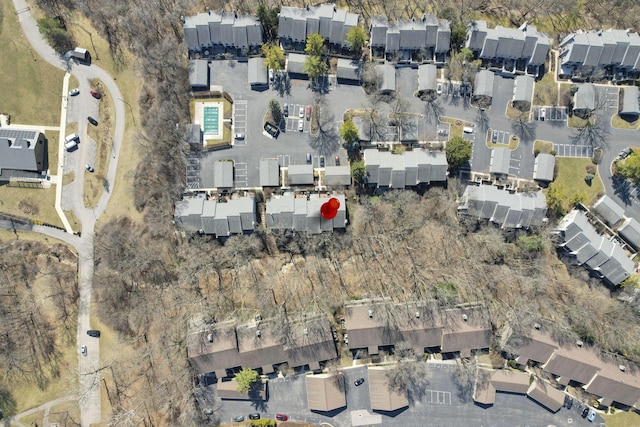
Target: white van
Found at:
x=71, y=141
x=467, y=129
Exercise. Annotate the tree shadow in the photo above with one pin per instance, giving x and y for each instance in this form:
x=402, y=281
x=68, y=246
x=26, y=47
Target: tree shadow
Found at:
x=282, y=84
x=482, y=119
x=622, y=188
x=524, y=130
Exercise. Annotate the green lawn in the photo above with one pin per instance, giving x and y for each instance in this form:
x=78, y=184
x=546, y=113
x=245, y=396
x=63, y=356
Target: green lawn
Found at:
x=620, y=123
x=545, y=91
x=37, y=204
x=570, y=181
x=622, y=419
x=544, y=147
x=31, y=89
x=456, y=125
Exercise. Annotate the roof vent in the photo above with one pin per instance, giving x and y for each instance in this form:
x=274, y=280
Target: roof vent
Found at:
x=579, y=343
x=424, y=17
x=258, y=333
x=335, y=10
x=308, y=8
x=537, y=326
x=370, y=313
x=306, y=331
x=210, y=337
x=465, y=317
x=208, y=10
x=182, y=19
x=417, y=314
x=622, y=368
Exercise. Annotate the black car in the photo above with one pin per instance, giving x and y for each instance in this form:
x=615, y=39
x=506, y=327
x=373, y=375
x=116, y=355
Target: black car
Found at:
x=254, y=416
x=569, y=402
x=321, y=161
x=93, y=333
x=285, y=110
x=92, y=121
x=494, y=137
x=272, y=130
x=585, y=412
x=359, y=382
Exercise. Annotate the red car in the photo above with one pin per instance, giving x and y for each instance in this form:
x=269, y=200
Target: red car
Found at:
x=281, y=417
x=95, y=94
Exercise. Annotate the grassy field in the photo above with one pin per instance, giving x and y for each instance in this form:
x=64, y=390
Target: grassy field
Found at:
x=620, y=123
x=544, y=147
x=622, y=419
x=33, y=203
x=52, y=148
x=73, y=221
x=545, y=91
x=94, y=183
x=31, y=89
x=577, y=122
x=571, y=183
x=456, y=125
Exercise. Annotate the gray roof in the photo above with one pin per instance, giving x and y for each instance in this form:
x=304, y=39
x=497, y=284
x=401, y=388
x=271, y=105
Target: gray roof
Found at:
x=544, y=167
x=235, y=216
x=393, y=38
x=223, y=174
x=608, y=210
x=602, y=48
x=295, y=63
x=595, y=252
x=337, y=175
x=388, y=78
x=630, y=101
x=269, y=173
x=413, y=34
x=549, y=397
x=525, y=42
x=476, y=33
x=443, y=42
x=297, y=23
x=300, y=174
x=592, y=59
x=22, y=150
x=367, y=130
x=258, y=74
x=523, y=89
x=630, y=231
x=348, y=69
x=500, y=161
x=199, y=73
x=633, y=51
x=622, y=43
x=193, y=134
x=574, y=48
x=585, y=97
x=378, y=31
x=288, y=212
x=221, y=28
x=410, y=168
x=510, y=210
x=409, y=129
x=427, y=77
x=510, y=42
x=484, y=83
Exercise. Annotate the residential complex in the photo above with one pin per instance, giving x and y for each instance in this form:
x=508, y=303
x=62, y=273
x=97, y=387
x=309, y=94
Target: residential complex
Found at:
x=508, y=49
x=215, y=33
x=221, y=218
x=409, y=169
x=617, y=52
x=295, y=24
x=425, y=39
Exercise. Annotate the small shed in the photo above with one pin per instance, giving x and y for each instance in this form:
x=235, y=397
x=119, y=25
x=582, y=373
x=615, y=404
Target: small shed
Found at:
x=630, y=107
x=258, y=75
x=348, y=70
x=500, y=161
x=427, y=78
x=295, y=64
x=523, y=92
x=223, y=174
x=584, y=100
x=300, y=174
x=544, y=167
x=325, y=392
x=199, y=74
x=337, y=175
x=484, y=84
x=388, y=79
x=608, y=210
x=269, y=173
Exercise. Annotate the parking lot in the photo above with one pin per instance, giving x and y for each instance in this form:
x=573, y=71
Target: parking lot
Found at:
x=552, y=114
x=572, y=150
x=498, y=136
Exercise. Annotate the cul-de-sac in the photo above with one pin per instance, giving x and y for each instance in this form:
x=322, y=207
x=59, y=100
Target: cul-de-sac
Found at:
x=261, y=213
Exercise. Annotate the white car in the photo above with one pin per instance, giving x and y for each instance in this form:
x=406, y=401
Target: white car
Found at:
x=300, y=125
x=271, y=74
x=239, y=136
x=83, y=350
x=543, y=114
x=301, y=113
x=74, y=92
x=592, y=415
x=439, y=89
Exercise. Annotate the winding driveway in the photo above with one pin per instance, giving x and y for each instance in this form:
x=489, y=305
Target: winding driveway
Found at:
x=88, y=367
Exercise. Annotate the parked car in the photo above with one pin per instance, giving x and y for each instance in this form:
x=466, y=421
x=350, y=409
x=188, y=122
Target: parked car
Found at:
x=301, y=112
x=254, y=416
x=337, y=160
x=592, y=415
x=238, y=136
x=625, y=153
x=271, y=130
x=585, y=412
x=93, y=333
x=71, y=141
x=89, y=167
x=359, y=382
x=321, y=161
x=83, y=350
x=308, y=157
x=281, y=417
x=568, y=402
x=74, y=92
x=443, y=132
x=308, y=112
x=271, y=74
x=300, y=125
x=494, y=137
x=543, y=114
x=439, y=89
x=238, y=418
x=467, y=129
x=92, y=121
x=285, y=110
x=95, y=94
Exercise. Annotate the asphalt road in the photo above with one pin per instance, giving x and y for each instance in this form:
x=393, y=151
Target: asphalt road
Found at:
x=88, y=366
